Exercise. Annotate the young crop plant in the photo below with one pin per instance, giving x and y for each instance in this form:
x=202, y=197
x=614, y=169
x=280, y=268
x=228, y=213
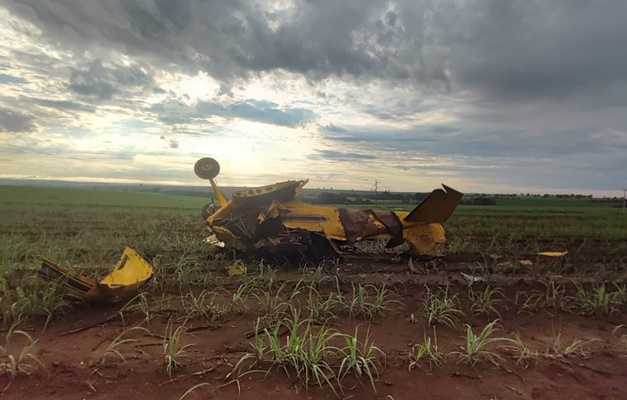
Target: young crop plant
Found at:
x=173, y=350
x=273, y=305
x=31, y=300
x=304, y=355
x=114, y=346
x=321, y=310
x=623, y=336
x=361, y=304
x=484, y=303
x=18, y=361
x=141, y=303
x=552, y=297
x=428, y=350
x=557, y=347
x=599, y=300
x=442, y=308
x=267, y=274
x=203, y=305
x=358, y=359
x=476, y=348
x=524, y=352
x=8, y=311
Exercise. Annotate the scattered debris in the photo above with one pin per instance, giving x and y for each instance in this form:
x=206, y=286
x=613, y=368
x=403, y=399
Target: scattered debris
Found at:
x=124, y=282
x=213, y=240
x=525, y=263
x=553, y=253
x=472, y=278
x=495, y=257
x=412, y=268
x=237, y=268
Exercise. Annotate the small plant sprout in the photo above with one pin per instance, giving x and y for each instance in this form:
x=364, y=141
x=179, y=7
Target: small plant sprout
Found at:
x=441, y=308
x=114, y=347
x=19, y=361
x=599, y=300
x=428, y=350
x=321, y=310
x=524, y=352
x=553, y=297
x=173, y=350
x=476, y=348
x=360, y=359
x=622, y=329
x=202, y=305
x=361, y=304
x=558, y=348
x=484, y=302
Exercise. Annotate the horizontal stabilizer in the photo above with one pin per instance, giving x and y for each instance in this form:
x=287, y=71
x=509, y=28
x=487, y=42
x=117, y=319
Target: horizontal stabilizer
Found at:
x=437, y=207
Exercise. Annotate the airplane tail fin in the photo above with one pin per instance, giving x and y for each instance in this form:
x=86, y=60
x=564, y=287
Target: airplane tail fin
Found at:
x=437, y=207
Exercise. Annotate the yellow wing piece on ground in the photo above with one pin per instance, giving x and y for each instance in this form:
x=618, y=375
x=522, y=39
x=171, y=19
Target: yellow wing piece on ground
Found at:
x=553, y=253
x=124, y=282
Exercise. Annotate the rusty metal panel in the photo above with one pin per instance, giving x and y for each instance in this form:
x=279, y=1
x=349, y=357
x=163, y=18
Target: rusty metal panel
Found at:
x=354, y=222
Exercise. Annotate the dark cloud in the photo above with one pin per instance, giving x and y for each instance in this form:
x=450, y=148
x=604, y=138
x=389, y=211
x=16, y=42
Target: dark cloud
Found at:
x=15, y=121
x=505, y=50
x=102, y=82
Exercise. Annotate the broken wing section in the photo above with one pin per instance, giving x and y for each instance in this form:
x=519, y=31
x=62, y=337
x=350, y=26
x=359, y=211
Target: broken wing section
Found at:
x=124, y=282
x=437, y=207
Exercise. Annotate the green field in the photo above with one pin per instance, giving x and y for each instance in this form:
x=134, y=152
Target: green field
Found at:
x=86, y=226
x=192, y=303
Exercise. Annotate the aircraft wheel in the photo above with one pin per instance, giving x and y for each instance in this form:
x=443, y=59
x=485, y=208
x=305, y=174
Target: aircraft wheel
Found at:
x=207, y=168
x=206, y=211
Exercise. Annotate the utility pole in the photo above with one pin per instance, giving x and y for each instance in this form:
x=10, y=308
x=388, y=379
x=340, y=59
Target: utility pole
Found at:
x=376, y=188
x=624, y=199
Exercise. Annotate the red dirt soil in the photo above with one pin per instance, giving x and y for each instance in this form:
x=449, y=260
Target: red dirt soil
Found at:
x=74, y=369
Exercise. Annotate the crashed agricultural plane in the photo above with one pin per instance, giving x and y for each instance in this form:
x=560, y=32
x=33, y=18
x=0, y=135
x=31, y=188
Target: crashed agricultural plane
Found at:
x=272, y=220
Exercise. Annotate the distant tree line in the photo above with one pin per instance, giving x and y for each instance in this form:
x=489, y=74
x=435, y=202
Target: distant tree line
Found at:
x=326, y=198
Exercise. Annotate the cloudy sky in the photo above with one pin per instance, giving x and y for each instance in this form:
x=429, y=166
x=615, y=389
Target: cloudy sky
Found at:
x=482, y=95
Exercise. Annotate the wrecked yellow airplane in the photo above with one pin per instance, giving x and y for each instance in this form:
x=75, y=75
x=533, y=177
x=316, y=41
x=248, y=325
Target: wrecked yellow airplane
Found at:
x=273, y=220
